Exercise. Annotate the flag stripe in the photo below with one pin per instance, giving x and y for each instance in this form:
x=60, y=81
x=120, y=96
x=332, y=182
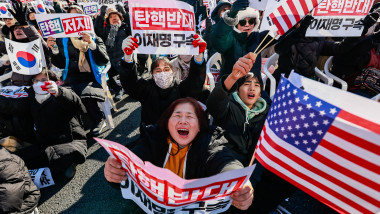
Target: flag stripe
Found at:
x=275, y=21
x=304, y=185
x=295, y=179
x=356, y=154
x=299, y=8
x=292, y=8
x=285, y=17
x=355, y=140
x=374, y=127
x=354, y=172
x=304, y=6
x=349, y=156
x=360, y=191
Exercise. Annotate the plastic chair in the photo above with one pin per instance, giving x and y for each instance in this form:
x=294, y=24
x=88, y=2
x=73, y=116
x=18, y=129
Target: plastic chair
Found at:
x=108, y=103
x=327, y=80
x=272, y=60
x=327, y=67
x=5, y=77
x=213, y=73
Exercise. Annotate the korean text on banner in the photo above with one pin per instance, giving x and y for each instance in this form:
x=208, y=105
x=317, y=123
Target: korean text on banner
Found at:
x=4, y=10
x=90, y=8
x=26, y=58
x=163, y=27
x=339, y=18
x=60, y=25
x=325, y=141
x=156, y=189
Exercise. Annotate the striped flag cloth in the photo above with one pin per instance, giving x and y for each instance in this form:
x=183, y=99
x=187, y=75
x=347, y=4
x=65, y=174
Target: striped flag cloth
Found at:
x=328, y=152
x=205, y=3
x=291, y=12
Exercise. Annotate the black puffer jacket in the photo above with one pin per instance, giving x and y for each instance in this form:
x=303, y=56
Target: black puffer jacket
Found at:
x=207, y=155
x=301, y=53
x=74, y=75
x=18, y=194
x=229, y=115
x=155, y=100
x=116, y=52
x=55, y=120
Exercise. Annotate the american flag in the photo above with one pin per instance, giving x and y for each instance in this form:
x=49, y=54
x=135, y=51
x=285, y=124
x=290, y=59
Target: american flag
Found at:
x=291, y=12
x=331, y=154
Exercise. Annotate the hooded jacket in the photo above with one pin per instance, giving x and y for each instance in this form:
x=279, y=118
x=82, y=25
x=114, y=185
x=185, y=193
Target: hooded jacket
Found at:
x=55, y=120
x=207, y=155
x=231, y=116
x=18, y=193
x=154, y=100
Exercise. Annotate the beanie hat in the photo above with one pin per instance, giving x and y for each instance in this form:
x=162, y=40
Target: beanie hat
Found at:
x=111, y=11
x=77, y=7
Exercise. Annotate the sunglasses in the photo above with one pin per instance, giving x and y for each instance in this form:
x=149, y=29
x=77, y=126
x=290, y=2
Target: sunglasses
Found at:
x=243, y=22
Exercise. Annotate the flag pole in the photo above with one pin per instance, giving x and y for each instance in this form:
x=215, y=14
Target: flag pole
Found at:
x=261, y=42
x=252, y=159
x=266, y=45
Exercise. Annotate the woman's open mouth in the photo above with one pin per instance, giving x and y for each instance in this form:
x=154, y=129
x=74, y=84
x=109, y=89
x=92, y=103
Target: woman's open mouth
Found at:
x=183, y=132
x=251, y=96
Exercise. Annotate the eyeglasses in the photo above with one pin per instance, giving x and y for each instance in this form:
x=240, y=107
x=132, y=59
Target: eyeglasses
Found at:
x=243, y=22
x=41, y=80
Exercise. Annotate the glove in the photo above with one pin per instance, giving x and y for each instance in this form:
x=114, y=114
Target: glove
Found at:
x=19, y=12
x=305, y=23
x=208, y=24
x=198, y=41
x=103, y=10
x=120, y=9
x=370, y=19
x=237, y=6
x=51, y=87
x=128, y=46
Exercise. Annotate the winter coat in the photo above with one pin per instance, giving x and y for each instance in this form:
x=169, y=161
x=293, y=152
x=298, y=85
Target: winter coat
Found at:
x=301, y=53
x=154, y=100
x=228, y=114
x=55, y=120
x=116, y=52
x=233, y=45
x=207, y=154
x=18, y=193
x=74, y=76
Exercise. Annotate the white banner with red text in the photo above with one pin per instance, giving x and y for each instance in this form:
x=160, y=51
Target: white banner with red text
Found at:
x=339, y=18
x=163, y=27
x=158, y=190
x=60, y=25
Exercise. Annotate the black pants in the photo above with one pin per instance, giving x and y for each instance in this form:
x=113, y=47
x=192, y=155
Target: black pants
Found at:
x=93, y=110
x=111, y=82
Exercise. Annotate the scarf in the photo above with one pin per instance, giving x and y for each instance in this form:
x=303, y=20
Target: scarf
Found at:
x=82, y=47
x=258, y=107
x=185, y=69
x=112, y=35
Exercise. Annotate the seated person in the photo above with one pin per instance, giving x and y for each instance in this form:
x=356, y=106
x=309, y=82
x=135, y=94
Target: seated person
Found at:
x=59, y=138
x=167, y=145
x=156, y=94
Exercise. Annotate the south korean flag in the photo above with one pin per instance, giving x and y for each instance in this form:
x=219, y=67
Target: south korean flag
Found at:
x=4, y=10
x=26, y=58
x=39, y=6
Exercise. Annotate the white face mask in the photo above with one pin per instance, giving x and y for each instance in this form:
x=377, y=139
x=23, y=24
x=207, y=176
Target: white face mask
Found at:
x=163, y=79
x=37, y=88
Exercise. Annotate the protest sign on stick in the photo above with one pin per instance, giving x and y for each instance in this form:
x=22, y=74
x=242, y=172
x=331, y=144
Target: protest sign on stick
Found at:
x=339, y=19
x=90, y=8
x=60, y=25
x=156, y=189
x=163, y=27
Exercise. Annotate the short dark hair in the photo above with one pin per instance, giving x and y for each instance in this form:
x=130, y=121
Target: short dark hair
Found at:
x=201, y=115
x=157, y=61
x=49, y=73
x=242, y=80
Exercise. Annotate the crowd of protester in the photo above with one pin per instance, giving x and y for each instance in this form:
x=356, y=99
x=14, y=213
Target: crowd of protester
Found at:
x=176, y=107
